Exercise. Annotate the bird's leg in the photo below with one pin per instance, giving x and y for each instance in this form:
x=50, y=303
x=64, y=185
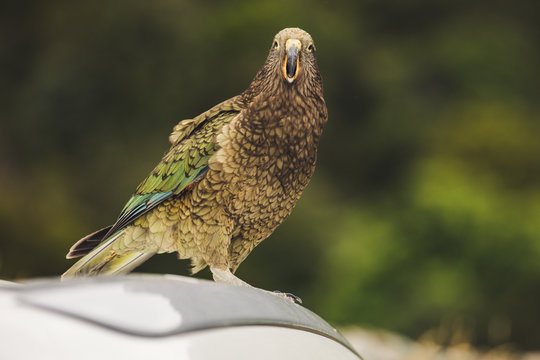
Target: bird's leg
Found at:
x=227, y=277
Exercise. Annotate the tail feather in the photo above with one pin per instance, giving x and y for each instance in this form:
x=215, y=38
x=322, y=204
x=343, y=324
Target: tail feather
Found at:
x=87, y=243
x=104, y=260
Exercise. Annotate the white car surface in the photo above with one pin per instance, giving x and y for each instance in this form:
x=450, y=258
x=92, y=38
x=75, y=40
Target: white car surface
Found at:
x=158, y=317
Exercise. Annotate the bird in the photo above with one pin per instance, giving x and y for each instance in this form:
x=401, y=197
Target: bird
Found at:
x=232, y=174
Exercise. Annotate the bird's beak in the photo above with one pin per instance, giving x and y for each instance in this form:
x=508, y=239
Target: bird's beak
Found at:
x=291, y=65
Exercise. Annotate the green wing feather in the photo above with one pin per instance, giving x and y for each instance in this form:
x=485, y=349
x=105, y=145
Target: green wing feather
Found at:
x=193, y=143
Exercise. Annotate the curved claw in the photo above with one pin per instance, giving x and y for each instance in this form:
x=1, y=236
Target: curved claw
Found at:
x=288, y=296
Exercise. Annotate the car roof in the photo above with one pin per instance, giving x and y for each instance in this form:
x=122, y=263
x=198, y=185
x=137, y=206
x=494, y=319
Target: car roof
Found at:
x=163, y=305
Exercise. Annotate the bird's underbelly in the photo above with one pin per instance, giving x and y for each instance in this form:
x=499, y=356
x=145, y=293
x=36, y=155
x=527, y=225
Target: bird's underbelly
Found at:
x=259, y=209
x=260, y=196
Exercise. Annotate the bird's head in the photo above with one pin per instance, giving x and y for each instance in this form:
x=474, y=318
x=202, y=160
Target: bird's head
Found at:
x=291, y=62
x=294, y=50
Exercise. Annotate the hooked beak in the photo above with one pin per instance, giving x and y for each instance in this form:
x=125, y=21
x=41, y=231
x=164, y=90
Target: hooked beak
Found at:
x=291, y=64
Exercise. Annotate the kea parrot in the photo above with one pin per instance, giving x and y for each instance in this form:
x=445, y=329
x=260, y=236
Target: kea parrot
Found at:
x=230, y=177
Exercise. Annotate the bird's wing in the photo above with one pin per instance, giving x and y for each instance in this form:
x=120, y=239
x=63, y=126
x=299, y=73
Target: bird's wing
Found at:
x=193, y=143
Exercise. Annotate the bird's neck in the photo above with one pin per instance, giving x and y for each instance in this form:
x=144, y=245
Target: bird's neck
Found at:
x=285, y=118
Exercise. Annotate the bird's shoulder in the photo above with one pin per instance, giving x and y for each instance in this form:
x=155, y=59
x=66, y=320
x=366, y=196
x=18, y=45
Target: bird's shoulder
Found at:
x=225, y=109
x=193, y=143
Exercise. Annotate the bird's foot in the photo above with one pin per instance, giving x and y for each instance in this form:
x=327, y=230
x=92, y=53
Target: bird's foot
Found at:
x=225, y=276
x=287, y=296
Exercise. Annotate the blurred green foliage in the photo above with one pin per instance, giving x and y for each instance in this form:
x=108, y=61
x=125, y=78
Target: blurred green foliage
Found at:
x=426, y=202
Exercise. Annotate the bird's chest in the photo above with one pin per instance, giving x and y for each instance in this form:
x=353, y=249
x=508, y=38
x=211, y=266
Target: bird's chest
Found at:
x=282, y=152
x=266, y=165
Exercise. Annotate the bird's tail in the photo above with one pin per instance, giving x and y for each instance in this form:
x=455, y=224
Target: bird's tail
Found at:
x=104, y=260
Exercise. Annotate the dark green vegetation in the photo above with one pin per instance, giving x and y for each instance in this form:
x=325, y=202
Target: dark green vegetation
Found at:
x=425, y=205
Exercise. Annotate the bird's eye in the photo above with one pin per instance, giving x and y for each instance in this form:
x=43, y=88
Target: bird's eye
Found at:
x=311, y=47
x=275, y=45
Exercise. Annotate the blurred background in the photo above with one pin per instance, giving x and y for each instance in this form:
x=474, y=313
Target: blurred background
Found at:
x=424, y=211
